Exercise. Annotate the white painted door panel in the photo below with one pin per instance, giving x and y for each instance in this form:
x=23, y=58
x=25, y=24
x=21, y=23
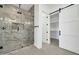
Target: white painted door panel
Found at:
x=69, y=27
x=36, y=37
x=37, y=28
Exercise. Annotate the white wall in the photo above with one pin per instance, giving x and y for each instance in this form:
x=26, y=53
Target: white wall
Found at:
x=48, y=8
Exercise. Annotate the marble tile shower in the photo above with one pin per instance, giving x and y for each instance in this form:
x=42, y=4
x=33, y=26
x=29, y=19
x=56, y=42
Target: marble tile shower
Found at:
x=16, y=30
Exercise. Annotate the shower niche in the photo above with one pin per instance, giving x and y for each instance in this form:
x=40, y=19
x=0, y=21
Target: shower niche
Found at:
x=14, y=34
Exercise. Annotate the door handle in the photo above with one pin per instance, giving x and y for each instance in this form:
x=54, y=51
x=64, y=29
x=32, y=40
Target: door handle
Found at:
x=59, y=32
x=36, y=26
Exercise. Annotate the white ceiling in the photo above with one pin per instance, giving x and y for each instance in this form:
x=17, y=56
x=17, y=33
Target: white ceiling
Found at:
x=48, y=8
x=24, y=6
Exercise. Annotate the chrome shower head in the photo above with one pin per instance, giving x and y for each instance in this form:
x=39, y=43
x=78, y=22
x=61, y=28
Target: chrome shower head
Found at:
x=19, y=11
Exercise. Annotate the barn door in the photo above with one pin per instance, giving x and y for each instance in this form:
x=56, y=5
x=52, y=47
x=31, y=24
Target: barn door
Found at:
x=69, y=27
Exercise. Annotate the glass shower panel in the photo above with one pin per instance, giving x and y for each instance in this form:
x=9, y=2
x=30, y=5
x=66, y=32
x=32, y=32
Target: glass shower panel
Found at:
x=14, y=33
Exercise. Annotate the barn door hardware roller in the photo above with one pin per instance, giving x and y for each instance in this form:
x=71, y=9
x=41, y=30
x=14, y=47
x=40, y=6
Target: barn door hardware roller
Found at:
x=59, y=10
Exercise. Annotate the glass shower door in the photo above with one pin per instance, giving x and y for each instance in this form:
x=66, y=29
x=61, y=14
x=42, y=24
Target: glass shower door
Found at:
x=16, y=30
x=14, y=35
x=7, y=40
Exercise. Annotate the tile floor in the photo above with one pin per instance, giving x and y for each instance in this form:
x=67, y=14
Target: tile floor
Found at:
x=51, y=49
